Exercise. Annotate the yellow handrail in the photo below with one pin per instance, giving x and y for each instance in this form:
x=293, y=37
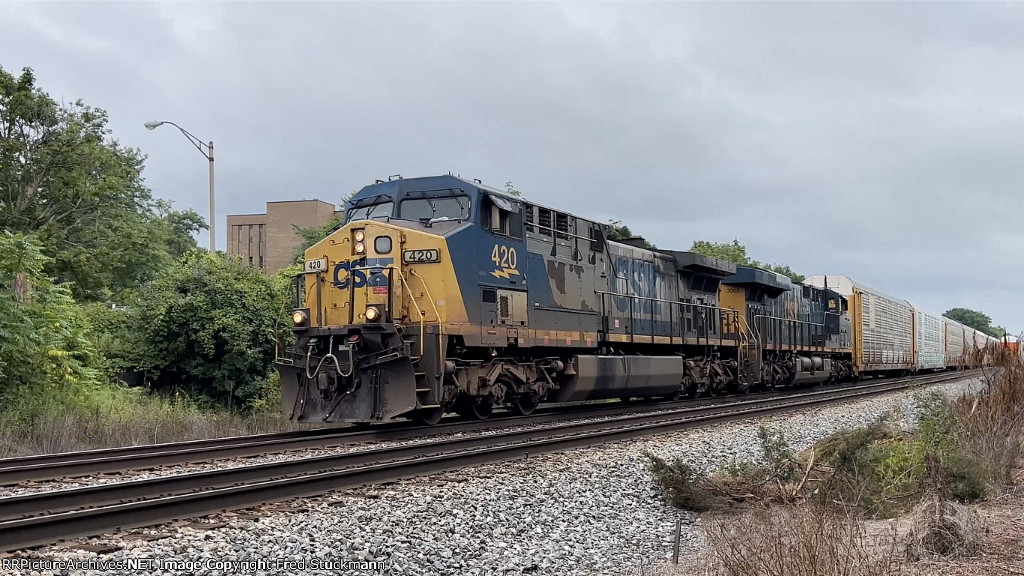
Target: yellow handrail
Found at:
x=440, y=325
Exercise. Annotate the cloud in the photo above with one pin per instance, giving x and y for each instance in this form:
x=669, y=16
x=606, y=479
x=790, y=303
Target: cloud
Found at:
x=879, y=140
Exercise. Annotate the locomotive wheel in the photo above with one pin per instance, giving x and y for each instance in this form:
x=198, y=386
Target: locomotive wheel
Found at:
x=475, y=408
x=428, y=416
x=676, y=396
x=524, y=404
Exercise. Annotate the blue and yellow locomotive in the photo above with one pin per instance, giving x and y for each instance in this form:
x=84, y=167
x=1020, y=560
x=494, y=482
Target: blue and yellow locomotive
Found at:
x=441, y=294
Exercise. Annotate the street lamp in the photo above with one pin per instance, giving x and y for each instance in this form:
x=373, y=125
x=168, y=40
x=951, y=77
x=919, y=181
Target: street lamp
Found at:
x=206, y=149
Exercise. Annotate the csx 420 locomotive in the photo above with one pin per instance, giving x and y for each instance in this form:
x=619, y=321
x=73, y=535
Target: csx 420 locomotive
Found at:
x=441, y=294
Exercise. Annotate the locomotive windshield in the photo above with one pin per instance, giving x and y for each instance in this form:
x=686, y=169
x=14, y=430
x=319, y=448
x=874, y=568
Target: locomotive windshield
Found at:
x=369, y=211
x=435, y=209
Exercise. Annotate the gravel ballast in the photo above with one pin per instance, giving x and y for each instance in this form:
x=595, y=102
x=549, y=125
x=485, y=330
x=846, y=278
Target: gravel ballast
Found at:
x=587, y=511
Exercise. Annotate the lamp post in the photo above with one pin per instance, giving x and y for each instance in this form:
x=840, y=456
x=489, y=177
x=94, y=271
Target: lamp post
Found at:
x=206, y=149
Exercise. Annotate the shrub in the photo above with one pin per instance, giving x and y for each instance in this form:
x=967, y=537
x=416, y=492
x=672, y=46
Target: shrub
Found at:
x=683, y=485
x=207, y=326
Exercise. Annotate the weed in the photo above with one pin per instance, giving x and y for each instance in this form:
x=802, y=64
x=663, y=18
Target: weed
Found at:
x=683, y=485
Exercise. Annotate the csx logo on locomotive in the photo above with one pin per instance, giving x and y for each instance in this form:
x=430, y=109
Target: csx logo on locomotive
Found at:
x=637, y=278
x=362, y=272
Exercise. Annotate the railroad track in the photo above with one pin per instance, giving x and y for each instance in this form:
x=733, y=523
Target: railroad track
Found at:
x=91, y=462
x=47, y=517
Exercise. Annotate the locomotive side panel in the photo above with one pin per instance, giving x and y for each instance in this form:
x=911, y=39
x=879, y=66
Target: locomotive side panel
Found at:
x=566, y=271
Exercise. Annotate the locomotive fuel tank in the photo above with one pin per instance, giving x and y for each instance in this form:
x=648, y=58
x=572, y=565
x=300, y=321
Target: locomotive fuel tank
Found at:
x=811, y=369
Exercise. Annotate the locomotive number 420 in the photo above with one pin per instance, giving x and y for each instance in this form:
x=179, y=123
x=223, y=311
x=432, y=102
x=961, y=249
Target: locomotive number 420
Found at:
x=503, y=256
x=428, y=255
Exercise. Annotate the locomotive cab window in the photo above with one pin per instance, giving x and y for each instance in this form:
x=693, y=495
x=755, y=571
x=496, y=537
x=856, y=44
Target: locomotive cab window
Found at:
x=369, y=211
x=437, y=209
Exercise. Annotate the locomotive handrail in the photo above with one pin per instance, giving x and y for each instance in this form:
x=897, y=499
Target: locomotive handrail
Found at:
x=822, y=325
x=680, y=302
x=556, y=232
x=440, y=325
x=671, y=303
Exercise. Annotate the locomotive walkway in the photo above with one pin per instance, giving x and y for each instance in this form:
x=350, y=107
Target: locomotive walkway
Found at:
x=46, y=517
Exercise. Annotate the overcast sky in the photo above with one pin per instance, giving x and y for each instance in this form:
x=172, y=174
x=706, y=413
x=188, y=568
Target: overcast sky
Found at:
x=884, y=141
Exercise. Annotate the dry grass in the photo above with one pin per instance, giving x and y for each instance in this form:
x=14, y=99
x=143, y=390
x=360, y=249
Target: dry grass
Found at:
x=808, y=539
x=990, y=424
x=943, y=530
x=111, y=417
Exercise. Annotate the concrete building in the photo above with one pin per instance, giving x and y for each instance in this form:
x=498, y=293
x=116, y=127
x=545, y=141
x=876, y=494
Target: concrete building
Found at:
x=267, y=241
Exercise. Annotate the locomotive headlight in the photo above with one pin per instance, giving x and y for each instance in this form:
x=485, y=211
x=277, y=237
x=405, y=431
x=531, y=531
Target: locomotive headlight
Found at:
x=360, y=248
x=372, y=313
x=359, y=235
x=299, y=317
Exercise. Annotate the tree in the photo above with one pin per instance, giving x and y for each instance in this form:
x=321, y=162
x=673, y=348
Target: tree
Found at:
x=43, y=333
x=617, y=231
x=207, y=325
x=66, y=181
x=975, y=319
x=737, y=254
x=511, y=190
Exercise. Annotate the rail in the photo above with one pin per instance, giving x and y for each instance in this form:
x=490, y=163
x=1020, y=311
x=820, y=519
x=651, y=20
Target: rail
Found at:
x=49, y=516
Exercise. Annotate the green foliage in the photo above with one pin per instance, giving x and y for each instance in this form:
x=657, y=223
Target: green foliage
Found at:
x=511, y=190
x=283, y=282
x=737, y=254
x=778, y=456
x=618, y=231
x=883, y=470
x=66, y=180
x=206, y=325
x=43, y=334
x=975, y=319
x=683, y=485
x=111, y=336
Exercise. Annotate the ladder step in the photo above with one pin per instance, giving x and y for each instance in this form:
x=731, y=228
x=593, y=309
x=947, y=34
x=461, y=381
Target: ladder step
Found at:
x=419, y=373
x=430, y=406
x=418, y=390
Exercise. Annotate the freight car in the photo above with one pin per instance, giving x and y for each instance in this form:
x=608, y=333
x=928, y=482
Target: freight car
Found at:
x=883, y=327
x=441, y=294
x=956, y=347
